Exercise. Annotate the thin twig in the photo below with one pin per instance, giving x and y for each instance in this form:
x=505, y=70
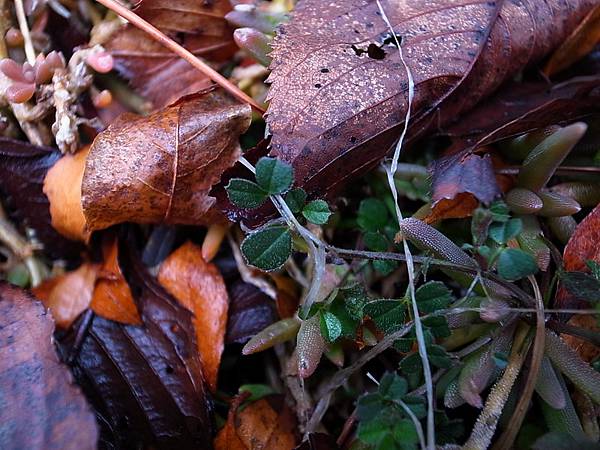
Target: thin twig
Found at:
x=28, y=44
x=506, y=440
x=562, y=170
x=161, y=38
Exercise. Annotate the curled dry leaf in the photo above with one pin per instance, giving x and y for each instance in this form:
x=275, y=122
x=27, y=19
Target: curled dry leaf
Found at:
x=339, y=91
x=68, y=295
x=23, y=168
x=161, y=168
x=267, y=424
x=153, y=70
x=199, y=287
x=582, y=41
x=42, y=409
x=145, y=381
x=112, y=297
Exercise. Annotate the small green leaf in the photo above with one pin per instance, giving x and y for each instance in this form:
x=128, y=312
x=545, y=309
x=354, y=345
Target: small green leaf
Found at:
x=349, y=324
x=582, y=286
x=438, y=326
x=411, y=363
x=385, y=267
x=500, y=212
x=268, y=249
x=317, y=212
x=245, y=194
x=331, y=327
x=388, y=315
x=438, y=357
x=502, y=232
x=257, y=391
x=404, y=432
x=392, y=386
x=514, y=264
x=372, y=214
x=355, y=299
x=433, y=296
x=295, y=199
x=18, y=275
x=274, y=175
x=369, y=405
x=375, y=241
x=594, y=267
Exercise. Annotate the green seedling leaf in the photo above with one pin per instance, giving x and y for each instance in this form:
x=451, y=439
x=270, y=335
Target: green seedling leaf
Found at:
x=385, y=267
x=355, y=299
x=438, y=357
x=392, y=387
x=388, y=315
x=274, y=175
x=268, y=249
x=295, y=199
x=340, y=311
x=317, y=212
x=411, y=363
x=514, y=264
x=245, y=194
x=502, y=232
x=500, y=212
x=433, y=296
x=331, y=327
x=375, y=241
x=581, y=285
x=372, y=214
x=437, y=326
x=257, y=391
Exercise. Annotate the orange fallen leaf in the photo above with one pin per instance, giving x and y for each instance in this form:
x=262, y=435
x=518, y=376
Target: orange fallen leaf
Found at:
x=199, y=287
x=62, y=186
x=581, y=42
x=112, y=297
x=266, y=424
x=458, y=207
x=68, y=295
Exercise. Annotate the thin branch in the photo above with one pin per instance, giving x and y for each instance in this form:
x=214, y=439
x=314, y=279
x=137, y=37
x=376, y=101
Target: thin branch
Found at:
x=563, y=170
x=22, y=19
x=161, y=38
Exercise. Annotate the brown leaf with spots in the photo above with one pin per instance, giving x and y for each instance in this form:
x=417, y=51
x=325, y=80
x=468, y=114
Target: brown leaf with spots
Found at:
x=112, y=297
x=68, y=295
x=153, y=70
x=267, y=424
x=199, y=287
x=582, y=41
x=41, y=408
x=161, y=168
x=339, y=90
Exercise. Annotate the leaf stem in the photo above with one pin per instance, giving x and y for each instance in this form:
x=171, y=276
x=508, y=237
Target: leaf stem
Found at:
x=27, y=44
x=161, y=38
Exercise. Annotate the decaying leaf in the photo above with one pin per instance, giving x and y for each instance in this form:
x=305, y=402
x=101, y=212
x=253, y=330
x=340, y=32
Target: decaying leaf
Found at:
x=582, y=41
x=112, y=297
x=267, y=424
x=154, y=71
x=339, y=90
x=161, y=168
x=41, y=408
x=23, y=167
x=70, y=294
x=199, y=287
x=145, y=381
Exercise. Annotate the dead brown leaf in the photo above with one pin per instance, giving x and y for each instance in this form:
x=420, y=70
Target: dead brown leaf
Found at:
x=199, y=287
x=41, y=408
x=582, y=41
x=161, y=168
x=70, y=294
x=267, y=424
x=339, y=90
x=154, y=71
x=112, y=297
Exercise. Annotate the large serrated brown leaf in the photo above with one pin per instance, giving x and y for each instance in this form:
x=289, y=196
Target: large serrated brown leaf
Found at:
x=144, y=381
x=154, y=71
x=160, y=168
x=40, y=408
x=339, y=90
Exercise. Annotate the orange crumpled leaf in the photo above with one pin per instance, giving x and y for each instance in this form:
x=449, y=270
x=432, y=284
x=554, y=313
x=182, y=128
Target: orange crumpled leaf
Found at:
x=112, y=297
x=579, y=43
x=62, y=186
x=199, y=287
x=258, y=426
x=68, y=295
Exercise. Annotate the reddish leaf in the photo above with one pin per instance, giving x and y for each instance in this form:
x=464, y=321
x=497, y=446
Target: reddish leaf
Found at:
x=250, y=311
x=458, y=207
x=266, y=424
x=70, y=294
x=112, y=297
x=161, y=168
x=41, y=409
x=23, y=168
x=199, y=287
x=582, y=41
x=154, y=71
x=144, y=381
x=583, y=245
x=338, y=95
